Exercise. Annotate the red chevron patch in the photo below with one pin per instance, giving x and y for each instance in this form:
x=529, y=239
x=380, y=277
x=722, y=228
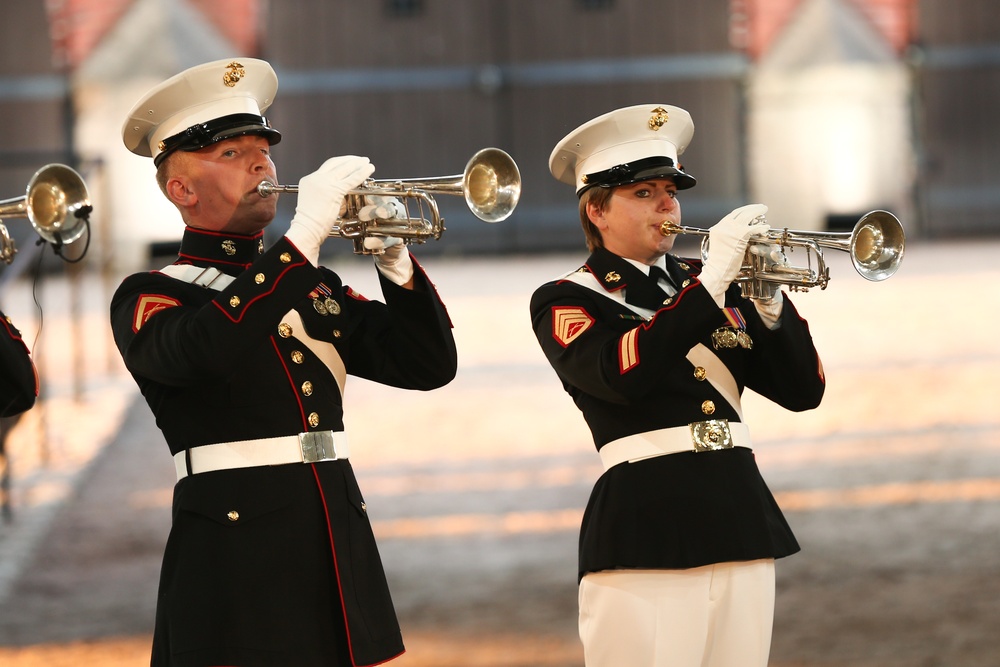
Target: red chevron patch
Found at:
x=148, y=305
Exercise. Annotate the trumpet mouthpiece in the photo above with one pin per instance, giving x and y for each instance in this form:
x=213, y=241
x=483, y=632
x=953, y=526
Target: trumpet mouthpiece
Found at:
x=668, y=227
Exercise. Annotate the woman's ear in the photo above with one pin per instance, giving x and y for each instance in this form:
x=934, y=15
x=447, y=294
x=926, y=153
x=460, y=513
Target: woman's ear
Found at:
x=596, y=215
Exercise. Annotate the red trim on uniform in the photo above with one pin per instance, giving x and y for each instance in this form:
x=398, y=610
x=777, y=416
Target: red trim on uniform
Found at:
x=376, y=664
x=246, y=306
x=602, y=282
x=677, y=297
x=628, y=344
x=357, y=296
x=212, y=232
x=336, y=565
x=148, y=305
x=444, y=307
x=208, y=232
x=17, y=336
x=819, y=362
x=10, y=331
x=14, y=334
x=291, y=382
x=336, y=570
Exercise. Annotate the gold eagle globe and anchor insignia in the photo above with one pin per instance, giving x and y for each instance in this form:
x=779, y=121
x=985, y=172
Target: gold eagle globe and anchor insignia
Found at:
x=658, y=119
x=711, y=435
x=234, y=72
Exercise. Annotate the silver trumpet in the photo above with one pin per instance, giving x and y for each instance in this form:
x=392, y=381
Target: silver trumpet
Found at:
x=56, y=203
x=875, y=245
x=490, y=183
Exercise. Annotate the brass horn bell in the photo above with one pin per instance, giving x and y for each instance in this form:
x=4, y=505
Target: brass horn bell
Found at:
x=56, y=203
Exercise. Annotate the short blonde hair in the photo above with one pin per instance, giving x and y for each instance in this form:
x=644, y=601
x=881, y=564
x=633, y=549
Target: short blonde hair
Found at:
x=163, y=175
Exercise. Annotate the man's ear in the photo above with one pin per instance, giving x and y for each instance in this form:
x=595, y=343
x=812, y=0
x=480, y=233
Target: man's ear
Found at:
x=179, y=191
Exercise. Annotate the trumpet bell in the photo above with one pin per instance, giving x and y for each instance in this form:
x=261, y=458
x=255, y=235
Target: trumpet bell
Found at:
x=877, y=244
x=55, y=202
x=491, y=184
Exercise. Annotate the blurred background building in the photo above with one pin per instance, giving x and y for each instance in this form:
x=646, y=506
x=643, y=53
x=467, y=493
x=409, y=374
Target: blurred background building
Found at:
x=823, y=109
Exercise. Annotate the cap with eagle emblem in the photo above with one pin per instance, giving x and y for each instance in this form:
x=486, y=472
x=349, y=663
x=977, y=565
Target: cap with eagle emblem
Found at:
x=626, y=145
x=201, y=106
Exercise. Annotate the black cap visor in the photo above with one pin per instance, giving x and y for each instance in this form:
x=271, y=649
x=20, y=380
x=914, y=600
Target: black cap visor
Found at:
x=205, y=134
x=640, y=170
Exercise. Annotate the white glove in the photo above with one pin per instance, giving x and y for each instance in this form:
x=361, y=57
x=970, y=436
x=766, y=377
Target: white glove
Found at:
x=770, y=310
x=378, y=207
x=392, y=258
x=727, y=245
x=320, y=197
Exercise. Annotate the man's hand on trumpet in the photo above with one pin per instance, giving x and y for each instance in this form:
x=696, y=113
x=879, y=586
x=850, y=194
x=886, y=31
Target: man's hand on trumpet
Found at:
x=320, y=197
x=728, y=240
x=770, y=301
x=391, y=255
x=392, y=258
x=380, y=207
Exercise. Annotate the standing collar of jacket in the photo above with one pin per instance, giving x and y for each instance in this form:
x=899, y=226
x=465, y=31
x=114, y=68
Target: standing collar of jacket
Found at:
x=230, y=253
x=613, y=272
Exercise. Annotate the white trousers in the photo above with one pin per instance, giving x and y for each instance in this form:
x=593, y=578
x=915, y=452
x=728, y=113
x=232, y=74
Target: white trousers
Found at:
x=713, y=616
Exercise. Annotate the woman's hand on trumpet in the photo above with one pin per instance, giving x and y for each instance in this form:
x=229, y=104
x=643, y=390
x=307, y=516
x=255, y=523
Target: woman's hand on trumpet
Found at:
x=320, y=197
x=728, y=240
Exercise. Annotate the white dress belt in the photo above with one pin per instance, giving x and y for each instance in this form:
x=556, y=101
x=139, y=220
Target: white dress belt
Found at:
x=301, y=448
x=703, y=436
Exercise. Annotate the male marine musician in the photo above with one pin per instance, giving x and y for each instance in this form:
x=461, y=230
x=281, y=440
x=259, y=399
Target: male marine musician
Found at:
x=242, y=352
x=679, y=538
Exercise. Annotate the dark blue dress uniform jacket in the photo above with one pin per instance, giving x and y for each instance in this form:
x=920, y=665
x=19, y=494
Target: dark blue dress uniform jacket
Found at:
x=18, y=379
x=630, y=375
x=275, y=586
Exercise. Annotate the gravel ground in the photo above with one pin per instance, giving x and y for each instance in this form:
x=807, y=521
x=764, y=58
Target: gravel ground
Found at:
x=892, y=485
